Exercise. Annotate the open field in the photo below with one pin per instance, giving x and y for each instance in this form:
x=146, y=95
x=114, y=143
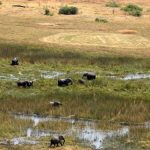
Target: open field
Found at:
x=59, y=46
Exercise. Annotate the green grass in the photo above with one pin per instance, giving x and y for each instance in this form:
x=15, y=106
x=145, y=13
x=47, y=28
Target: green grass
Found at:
x=104, y=99
x=133, y=10
x=68, y=10
x=112, y=4
x=101, y=20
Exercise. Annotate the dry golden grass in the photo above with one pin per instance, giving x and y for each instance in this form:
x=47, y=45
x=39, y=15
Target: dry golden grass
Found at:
x=44, y=147
x=28, y=25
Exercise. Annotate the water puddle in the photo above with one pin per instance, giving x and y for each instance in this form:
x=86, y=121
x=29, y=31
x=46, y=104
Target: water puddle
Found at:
x=95, y=138
x=37, y=119
x=51, y=74
x=136, y=76
x=9, y=77
x=31, y=76
x=131, y=77
x=87, y=134
x=22, y=141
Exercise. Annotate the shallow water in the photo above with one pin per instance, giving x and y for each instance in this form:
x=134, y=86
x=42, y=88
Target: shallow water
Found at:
x=51, y=74
x=136, y=76
x=30, y=76
x=88, y=134
x=22, y=141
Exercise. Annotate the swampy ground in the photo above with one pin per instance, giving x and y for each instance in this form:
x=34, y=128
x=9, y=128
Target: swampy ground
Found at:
x=28, y=34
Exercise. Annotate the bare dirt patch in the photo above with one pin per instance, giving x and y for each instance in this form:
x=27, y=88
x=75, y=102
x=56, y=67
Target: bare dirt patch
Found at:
x=47, y=24
x=127, y=31
x=98, y=39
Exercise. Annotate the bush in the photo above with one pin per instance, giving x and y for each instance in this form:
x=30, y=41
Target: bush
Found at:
x=101, y=20
x=47, y=12
x=133, y=10
x=68, y=10
x=112, y=4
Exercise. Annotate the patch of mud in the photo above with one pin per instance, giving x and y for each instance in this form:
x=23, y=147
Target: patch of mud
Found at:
x=101, y=39
x=127, y=31
x=51, y=74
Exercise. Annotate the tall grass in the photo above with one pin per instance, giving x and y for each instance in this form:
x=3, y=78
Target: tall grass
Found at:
x=37, y=54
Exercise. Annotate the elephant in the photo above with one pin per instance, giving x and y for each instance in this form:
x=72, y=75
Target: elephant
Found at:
x=89, y=75
x=55, y=104
x=65, y=82
x=25, y=83
x=81, y=81
x=56, y=141
x=14, y=62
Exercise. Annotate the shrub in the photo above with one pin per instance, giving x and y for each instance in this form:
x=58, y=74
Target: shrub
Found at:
x=133, y=10
x=68, y=10
x=101, y=20
x=47, y=12
x=112, y=4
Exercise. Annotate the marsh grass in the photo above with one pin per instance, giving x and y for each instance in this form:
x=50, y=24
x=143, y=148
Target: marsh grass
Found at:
x=57, y=126
x=104, y=99
x=112, y=4
x=11, y=127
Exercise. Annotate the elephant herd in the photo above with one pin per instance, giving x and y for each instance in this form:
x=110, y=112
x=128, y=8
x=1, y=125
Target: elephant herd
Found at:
x=61, y=82
x=68, y=81
x=60, y=140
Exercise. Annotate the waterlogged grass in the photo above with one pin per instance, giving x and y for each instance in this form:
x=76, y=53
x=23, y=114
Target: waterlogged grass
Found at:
x=137, y=140
x=11, y=127
x=104, y=99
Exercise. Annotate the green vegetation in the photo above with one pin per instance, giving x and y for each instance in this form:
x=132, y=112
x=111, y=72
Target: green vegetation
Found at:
x=47, y=12
x=133, y=10
x=101, y=20
x=68, y=10
x=112, y=4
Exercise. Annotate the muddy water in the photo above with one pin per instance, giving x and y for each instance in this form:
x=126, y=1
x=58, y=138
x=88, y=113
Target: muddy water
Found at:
x=87, y=135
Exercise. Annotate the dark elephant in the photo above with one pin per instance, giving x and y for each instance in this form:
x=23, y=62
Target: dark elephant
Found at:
x=55, y=104
x=15, y=62
x=81, y=81
x=57, y=141
x=65, y=82
x=25, y=84
x=89, y=75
